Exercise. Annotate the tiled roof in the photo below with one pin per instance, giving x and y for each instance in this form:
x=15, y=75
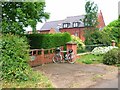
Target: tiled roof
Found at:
x=58, y=24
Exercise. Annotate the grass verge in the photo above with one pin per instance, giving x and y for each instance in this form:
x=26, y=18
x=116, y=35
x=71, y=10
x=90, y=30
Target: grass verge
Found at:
x=38, y=80
x=90, y=59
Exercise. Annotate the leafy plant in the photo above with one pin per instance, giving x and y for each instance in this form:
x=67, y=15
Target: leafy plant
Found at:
x=15, y=56
x=113, y=30
x=37, y=80
x=91, y=10
x=48, y=40
x=16, y=15
x=112, y=57
x=97, y=37
x=80, y=44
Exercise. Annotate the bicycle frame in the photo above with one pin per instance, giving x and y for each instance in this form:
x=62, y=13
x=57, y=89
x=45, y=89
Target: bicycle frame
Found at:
x=60, y=57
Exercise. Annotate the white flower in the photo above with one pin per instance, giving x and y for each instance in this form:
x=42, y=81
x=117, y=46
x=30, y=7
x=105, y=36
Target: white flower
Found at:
x=102, y=50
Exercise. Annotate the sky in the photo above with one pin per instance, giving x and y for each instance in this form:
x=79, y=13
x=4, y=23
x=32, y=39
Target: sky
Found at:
x=60, y=9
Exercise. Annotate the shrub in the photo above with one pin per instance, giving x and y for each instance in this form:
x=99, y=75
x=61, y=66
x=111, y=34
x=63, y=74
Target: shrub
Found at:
x=15, y=56
x=113, y=30
x=80, y=44
x=118, y=44
x=48, y=40
x=97, y=37
x=102, y=50
x=112, y=57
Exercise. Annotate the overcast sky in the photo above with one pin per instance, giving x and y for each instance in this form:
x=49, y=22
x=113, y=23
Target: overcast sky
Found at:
x=60, y=9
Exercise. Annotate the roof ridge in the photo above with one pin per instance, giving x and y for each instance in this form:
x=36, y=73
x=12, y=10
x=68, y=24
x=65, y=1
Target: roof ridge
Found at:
x=54, y=21
x=75, y=16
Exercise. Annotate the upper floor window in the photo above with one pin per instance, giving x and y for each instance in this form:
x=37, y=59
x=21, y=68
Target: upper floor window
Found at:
x=66, y=25
x=76, y=33
x=76, y=24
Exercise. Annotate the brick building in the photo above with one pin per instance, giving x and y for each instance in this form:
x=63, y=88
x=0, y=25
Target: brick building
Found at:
x=73, y=25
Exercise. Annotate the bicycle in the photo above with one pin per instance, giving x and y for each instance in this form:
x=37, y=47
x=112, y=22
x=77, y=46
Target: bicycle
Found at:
x=68, y=57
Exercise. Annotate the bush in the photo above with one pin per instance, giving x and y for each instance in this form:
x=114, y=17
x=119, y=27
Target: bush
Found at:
x=102, y=50
x=118, y=45
x=97, y=37
x=112, y=57
x=80, y=44
x=15, y=56
x=48, y=40
x=113, y=30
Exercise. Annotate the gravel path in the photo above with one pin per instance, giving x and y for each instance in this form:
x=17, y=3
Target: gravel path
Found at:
x=66, y=75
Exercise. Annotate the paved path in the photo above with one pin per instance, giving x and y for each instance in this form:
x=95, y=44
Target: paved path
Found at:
x=66, y=75
x=107, y=84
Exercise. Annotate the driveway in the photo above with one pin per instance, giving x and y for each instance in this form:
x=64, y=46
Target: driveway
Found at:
x=66, y=75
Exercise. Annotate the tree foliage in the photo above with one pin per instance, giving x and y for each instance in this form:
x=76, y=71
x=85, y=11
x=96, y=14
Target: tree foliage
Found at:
x=97, y=37
x=113, y=29
x=16, y=15
x=91, y=10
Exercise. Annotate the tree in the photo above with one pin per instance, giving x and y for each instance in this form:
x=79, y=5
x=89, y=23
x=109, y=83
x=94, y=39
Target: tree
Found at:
x=90, y=20
x=91, y=10
x=98, y=37
x=113, y=29
x=16, y=15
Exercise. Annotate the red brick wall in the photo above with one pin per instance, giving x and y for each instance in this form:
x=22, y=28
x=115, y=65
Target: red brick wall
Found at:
x=48, y=31
x=101, y=20
x=52, y=30
x=45, y=32
x=44, y=56
x=72, y=31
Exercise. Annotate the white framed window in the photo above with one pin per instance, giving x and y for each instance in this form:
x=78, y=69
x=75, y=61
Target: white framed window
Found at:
x=76, y=34
x=66, y=25
x=76, y=24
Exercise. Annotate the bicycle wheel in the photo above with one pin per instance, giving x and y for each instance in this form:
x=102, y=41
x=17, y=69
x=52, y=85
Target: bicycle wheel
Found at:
x=57, y=59
x=71, y=58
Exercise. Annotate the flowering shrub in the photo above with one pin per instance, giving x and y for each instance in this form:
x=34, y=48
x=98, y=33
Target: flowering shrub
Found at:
x=102, y=50
x=80, y=44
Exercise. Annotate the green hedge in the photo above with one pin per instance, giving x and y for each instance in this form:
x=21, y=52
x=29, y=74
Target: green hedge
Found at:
x=14, y=58
x=38, y=41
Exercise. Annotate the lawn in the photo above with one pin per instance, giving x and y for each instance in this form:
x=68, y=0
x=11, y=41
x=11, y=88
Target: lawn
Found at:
x=90, y=59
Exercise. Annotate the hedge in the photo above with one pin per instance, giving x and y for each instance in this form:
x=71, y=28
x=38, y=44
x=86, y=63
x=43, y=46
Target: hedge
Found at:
x=14, y=58
x=46, y=41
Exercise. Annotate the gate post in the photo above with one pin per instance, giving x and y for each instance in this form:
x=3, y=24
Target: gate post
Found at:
x=113, y=43
x=73, y=46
